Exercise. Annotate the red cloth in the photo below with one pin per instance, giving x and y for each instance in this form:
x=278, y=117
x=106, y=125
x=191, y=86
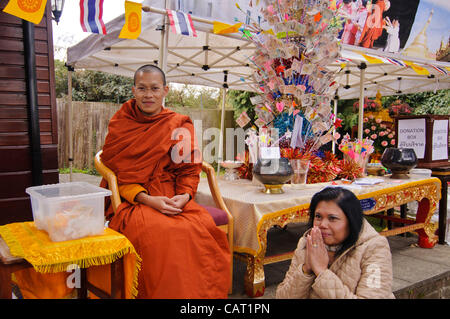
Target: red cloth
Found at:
x=185, y=255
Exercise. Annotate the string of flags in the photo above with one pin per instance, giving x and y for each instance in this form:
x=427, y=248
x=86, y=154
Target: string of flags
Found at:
x=373, y=59
x=91, y=20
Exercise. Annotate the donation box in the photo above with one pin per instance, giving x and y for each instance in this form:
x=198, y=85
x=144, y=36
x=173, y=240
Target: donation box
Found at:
x=427, y=135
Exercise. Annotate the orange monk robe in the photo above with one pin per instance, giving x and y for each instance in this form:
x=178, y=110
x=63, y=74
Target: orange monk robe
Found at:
x=373, y=27
x=185, y=255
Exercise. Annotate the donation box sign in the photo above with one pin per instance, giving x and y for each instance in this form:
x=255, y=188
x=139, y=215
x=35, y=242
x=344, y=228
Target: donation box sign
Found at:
x=412, y=134
x=427, y=135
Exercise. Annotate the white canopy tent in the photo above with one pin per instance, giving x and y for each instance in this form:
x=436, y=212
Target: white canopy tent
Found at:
x=223, y=61
x=206, y=59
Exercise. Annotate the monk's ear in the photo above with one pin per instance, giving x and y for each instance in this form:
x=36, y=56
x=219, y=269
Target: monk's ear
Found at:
x=133, y=90
x=166, y=90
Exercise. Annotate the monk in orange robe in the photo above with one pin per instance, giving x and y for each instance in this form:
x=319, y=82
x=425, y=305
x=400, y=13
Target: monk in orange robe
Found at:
x=373, y=27
x=184, y=254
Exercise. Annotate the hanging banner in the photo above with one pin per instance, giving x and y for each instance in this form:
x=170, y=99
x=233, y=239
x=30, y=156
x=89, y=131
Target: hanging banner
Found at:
x=30, y=10
x=91, y=16
x=416, y=28
x=133, y=18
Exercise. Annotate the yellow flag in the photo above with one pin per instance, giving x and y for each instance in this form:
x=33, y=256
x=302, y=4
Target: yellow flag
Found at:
x=417, y=68
x=371, y=59
x=30, y=10
x=133, y=18
x=223, y=28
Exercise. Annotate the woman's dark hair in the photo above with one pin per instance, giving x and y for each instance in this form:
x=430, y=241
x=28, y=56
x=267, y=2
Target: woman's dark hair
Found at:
x=349, y=204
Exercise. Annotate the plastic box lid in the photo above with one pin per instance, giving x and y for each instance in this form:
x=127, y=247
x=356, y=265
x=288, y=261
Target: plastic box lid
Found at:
x=71, y=190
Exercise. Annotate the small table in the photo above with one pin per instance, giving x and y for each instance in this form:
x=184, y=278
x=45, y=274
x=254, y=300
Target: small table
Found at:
x=10, y=263
x=255, y=213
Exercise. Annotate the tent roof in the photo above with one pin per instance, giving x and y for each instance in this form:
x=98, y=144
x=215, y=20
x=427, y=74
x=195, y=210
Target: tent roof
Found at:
x=205, y=59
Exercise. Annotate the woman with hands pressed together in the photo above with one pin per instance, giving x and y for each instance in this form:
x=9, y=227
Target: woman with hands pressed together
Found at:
x=341, y=256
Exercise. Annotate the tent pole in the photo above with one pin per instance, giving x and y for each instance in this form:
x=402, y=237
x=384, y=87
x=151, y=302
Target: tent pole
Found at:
x=70, y=120
x=333, y=146
x=362, y=67
x=164, y=44
x=222, y=121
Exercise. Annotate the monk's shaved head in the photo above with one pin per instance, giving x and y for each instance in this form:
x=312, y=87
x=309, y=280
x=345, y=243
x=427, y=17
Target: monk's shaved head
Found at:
x=150, y=68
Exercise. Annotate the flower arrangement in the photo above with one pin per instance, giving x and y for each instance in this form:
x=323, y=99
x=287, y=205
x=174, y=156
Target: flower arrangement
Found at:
x=356, y=155
x=369, y=105
x=398, y=107
x=323, y=166
x=379, y=133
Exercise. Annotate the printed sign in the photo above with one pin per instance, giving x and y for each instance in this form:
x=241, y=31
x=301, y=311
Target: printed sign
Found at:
x=440, y=140
x=412, y=134
x=368, y=203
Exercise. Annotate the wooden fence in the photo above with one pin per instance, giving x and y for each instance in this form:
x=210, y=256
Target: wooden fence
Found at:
x=90, y=126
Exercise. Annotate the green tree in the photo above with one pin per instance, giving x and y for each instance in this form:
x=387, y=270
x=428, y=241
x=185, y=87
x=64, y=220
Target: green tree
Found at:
x=240, y=100
x=193, y=97
x=424, y=102
x=93, y=86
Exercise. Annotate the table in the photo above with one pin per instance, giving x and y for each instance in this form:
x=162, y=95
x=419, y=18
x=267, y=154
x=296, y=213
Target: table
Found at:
x=255, y=213
x=24, y=246
x=443, y=173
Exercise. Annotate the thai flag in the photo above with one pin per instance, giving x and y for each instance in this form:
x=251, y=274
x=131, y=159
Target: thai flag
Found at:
x=181, y=23
x=396, y=62
x=343, y=60
x=91, y=12
x=440, y=70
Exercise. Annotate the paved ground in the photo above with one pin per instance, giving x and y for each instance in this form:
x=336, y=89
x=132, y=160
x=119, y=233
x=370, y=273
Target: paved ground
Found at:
x=417, y=272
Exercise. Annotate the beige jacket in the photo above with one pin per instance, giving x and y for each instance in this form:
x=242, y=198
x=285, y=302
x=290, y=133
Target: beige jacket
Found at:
x=362, y=271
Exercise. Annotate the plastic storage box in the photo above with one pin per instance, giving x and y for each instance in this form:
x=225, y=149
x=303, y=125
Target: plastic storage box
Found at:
x=69, y=211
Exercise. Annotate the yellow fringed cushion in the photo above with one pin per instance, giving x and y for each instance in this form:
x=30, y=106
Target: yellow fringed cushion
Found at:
x=26, y=241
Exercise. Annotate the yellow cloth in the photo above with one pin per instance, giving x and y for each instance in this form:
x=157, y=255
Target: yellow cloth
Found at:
x=133, y=17
x=51, y=259
x=130, y=191
x=417, y=68
x=224, y=28
x=372, y=59
x=32, y=11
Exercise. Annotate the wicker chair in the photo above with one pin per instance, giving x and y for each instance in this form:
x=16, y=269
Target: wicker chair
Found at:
x=221, y=215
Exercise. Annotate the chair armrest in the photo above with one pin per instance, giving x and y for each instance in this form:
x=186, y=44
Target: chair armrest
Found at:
x=110, y=177
x=214, y=188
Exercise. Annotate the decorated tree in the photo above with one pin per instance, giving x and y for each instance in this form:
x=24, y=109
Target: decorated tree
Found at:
x=295, y=85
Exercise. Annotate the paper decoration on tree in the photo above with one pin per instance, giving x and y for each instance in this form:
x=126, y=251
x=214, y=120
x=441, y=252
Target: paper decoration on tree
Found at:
x=291, y=61
x=243, y=119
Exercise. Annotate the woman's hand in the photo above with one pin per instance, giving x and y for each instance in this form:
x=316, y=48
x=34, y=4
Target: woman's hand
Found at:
x=316, y=252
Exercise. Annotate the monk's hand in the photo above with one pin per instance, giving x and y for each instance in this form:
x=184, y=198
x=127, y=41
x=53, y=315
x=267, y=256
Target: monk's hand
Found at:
x=164, y=205
x=317, y=253
x=181, y=200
